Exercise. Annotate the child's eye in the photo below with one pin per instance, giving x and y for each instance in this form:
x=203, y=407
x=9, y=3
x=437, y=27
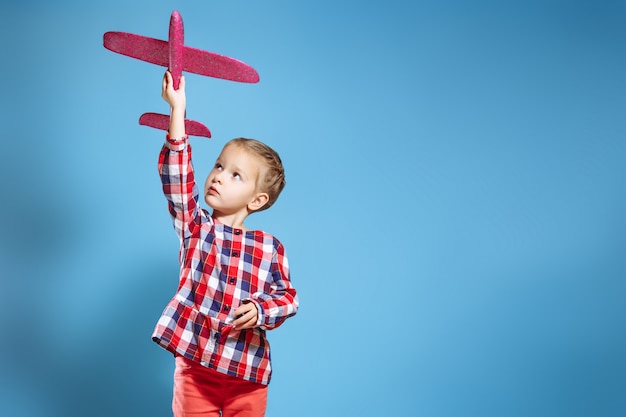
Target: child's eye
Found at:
x=218, y=166
x=236, y=176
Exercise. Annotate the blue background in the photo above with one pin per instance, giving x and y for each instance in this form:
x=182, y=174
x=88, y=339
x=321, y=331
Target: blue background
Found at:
x=454, y=214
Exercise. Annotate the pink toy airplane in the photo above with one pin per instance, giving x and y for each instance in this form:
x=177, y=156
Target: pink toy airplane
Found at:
x=177, y=57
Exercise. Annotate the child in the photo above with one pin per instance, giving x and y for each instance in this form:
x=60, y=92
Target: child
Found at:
x=234, y=282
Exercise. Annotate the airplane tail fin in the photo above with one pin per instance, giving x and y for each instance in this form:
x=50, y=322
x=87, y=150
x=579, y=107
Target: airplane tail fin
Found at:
x=162, y=122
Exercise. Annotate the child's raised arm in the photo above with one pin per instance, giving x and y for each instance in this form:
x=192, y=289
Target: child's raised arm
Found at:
x=177, y=101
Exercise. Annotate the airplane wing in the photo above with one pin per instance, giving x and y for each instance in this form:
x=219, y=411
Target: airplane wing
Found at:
x=151, y=50
x=197, y=61
x=162, y=122
x=211, y=64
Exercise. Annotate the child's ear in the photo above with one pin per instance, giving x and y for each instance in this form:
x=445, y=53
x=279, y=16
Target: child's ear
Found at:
x=258, y=201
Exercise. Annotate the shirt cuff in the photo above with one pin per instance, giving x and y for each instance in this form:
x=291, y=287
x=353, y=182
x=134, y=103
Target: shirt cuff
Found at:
x=176, y=144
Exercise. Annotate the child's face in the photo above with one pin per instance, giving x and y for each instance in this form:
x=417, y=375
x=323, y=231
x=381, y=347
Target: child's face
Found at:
x=232, y=184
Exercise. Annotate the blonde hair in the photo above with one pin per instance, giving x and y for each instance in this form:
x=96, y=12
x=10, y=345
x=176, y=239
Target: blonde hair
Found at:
x=271, y=179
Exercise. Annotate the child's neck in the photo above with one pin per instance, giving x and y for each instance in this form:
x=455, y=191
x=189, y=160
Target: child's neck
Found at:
x=234, y=220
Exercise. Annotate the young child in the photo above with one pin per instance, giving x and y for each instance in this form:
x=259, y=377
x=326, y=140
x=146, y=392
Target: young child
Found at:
x=234, y=282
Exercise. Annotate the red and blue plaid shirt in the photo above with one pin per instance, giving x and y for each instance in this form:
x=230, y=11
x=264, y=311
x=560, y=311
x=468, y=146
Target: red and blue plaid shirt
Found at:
x=220, y=267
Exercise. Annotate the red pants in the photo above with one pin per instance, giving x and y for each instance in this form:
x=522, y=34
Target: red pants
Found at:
x=201, y=391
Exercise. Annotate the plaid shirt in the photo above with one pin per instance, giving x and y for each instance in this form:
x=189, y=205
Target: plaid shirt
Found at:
x=220, y=267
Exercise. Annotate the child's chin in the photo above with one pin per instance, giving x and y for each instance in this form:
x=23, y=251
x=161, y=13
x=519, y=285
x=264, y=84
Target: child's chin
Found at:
x=207, y=199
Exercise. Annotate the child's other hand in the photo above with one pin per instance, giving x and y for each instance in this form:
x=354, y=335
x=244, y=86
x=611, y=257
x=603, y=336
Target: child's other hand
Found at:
x=247, y=316
x=175, y=98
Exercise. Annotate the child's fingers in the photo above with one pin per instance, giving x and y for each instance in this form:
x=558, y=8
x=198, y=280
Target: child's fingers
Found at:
x=244, y=309
x=249, y=324
x=246, y=321
x=246, y=316
x=167, y=80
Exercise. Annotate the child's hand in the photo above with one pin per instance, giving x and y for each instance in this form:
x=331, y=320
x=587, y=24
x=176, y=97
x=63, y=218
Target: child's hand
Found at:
x=246, y=316
x=177, y=102
x=175, y=98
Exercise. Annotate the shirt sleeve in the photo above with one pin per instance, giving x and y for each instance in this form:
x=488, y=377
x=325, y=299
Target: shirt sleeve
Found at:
x=179, y=186
x=281, y=302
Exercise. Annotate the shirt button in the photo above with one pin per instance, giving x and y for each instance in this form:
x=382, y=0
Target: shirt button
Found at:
x=226, y=307
x=237, y=232
x=232, y=280
x=235, y=254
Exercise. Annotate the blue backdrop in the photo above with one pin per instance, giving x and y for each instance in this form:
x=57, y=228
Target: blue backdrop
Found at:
x=454, y=213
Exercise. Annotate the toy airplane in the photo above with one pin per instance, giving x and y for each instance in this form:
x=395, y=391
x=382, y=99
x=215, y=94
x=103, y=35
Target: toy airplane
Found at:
x=177, y=57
